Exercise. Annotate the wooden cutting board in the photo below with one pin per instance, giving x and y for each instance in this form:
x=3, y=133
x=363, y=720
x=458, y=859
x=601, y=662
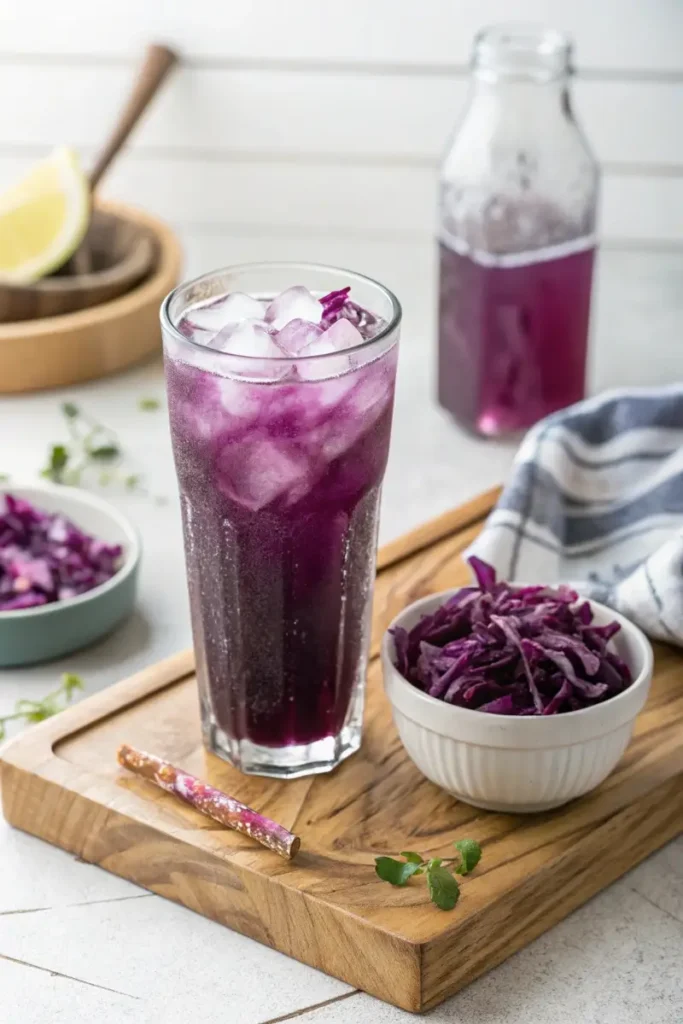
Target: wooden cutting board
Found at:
x=60, y=781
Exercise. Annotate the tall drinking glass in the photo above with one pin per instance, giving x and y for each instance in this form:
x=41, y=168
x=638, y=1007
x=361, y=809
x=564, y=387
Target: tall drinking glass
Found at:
x=280, y=463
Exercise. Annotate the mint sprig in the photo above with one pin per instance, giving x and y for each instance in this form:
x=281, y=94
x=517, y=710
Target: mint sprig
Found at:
x=396, y=872
x=470, y=855
x=444, y=889
x=93, y=451
x=90, y=444
x=51, y=704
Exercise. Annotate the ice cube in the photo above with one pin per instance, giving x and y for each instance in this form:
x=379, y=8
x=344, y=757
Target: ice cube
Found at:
x=228, y=309
x=241, y=400
x=295, y=303
x=296, y=335
x=369, y=397
x=333, y=391
x=320, y=346
x=247, y=338
x=342, y=335
x=333, y=365
x=256, y=472
x=263, y=360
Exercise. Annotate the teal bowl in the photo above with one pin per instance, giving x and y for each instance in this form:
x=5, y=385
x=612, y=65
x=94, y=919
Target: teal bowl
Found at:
x=30, y=635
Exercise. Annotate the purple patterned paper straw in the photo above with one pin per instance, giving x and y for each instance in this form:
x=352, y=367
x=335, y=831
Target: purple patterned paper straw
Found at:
x=210, y=801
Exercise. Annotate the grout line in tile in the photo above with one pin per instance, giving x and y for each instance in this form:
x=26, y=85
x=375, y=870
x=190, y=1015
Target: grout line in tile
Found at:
x=657, y=906
x=68, y=977
x=309, y=1009
x=27, y=910
x=68, y=906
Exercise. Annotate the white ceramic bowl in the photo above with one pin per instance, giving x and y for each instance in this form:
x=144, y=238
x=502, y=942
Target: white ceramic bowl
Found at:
x=49, y=631
x=503, y=763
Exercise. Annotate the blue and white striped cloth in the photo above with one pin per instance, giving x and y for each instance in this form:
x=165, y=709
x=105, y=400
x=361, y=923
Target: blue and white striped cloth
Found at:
x=596, y=500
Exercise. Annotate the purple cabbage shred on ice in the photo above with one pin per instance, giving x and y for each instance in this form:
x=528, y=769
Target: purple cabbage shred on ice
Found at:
x=339, y=305
x=511, y=650
x=44, y=557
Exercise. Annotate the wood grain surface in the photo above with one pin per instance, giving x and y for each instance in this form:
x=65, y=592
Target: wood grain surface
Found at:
x=56, y=351
x=120, y=253
x=60, y=781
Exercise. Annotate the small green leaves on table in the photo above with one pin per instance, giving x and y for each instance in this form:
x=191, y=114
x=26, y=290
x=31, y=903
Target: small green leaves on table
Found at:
x=90, y=444
x=470, y=853
x=397, y=872
x=51, y=704
x=444, y=889
x=149, y=404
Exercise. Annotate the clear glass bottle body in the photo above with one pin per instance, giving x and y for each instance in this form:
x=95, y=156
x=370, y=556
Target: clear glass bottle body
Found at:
x=518, y=202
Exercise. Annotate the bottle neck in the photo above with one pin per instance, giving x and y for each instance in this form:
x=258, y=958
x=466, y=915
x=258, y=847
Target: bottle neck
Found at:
x=518, y=53
x=522, y=95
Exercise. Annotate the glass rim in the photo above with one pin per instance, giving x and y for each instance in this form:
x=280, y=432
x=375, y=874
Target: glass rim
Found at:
x=168, y=325
x=499, y=45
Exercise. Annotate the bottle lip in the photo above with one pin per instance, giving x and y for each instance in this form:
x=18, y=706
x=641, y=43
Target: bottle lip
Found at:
x=519, y=50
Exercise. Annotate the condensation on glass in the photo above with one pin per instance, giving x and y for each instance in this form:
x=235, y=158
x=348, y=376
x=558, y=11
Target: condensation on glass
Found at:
x=280, y=465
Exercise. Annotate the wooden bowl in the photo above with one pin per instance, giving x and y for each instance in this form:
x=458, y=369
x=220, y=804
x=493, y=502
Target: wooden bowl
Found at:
x=54, y=352
x=118, y=252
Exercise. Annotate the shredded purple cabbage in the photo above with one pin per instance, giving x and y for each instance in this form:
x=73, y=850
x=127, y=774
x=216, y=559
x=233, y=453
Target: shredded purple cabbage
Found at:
x=512, y=650
x=338, y=304
x=44, y=557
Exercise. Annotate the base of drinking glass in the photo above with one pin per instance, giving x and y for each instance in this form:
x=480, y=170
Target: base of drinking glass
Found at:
x=290, y=762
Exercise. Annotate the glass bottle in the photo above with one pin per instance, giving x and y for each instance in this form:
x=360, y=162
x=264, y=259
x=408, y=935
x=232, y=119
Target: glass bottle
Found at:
x=518, y=199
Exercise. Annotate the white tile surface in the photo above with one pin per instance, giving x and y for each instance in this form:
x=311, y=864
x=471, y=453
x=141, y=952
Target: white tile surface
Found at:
x=35, y=876
x=616, y=961
x=31, y=996
x=659, y=880
x=177, y=965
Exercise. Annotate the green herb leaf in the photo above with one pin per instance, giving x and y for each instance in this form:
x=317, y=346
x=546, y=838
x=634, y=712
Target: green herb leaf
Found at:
x=444, y=891
x=149, y=404
x=51, y=704
x=470, y=852
x=70, y=683
x=37, y=711
x=70, y=410
x=93, y=452
x=4, y=477
x=397, y=872
x=58, y=457
x=105, y=452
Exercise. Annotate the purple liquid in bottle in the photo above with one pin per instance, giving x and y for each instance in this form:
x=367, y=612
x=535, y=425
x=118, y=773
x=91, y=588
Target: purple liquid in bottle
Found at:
x=519, y=190
x=280, y=485
x=513, y=334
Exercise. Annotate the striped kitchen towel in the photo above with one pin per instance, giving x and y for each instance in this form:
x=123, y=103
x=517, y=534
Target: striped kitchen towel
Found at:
x=596, y=500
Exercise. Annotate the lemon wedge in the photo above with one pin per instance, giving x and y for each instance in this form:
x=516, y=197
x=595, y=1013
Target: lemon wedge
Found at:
x=43, y=218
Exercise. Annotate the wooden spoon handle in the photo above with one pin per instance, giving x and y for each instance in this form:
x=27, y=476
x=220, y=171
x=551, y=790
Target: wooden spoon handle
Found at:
x=158, y=62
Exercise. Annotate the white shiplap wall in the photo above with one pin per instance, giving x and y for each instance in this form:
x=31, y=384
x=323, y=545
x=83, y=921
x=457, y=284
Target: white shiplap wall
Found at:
x=308, y=117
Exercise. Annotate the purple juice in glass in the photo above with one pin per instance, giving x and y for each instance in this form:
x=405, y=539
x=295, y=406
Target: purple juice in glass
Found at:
x=513, y=334
x=280, y=458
